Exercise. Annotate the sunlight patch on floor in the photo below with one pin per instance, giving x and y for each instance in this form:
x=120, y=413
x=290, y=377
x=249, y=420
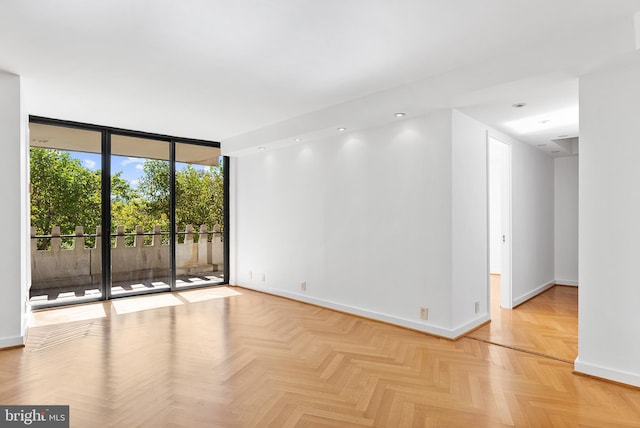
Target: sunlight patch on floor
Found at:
x=143, y=303
x=68, y=314
x=201, y=295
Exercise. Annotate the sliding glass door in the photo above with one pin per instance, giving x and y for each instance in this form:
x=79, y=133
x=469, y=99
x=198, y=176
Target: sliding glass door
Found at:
x=140, y=215
x=66, y=200
x=199, y=215
x=117, y=213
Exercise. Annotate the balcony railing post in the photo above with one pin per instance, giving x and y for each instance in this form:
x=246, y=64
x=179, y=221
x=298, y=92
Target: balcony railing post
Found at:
x=56, y=240
x=139, y=238
x=188, y=238
x=156, y=239
x=120, y=237
x=78, y=241
x=34, y=241
x=203, y=236
x=98, y=237
x=202, y=245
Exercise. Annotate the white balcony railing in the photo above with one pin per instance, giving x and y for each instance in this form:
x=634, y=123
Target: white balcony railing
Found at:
x=79, y=266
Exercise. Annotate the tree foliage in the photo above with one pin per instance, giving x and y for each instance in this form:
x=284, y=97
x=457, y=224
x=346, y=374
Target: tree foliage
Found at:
x=154, y=188
x=63, y=193
x=199, y=198
x=66, y=194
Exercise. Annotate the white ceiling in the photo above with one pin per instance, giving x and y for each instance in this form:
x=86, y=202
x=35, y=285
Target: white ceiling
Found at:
x=260, y=72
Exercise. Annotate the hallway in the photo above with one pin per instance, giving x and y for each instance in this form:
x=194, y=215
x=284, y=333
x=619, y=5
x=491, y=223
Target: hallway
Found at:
x=546, y=325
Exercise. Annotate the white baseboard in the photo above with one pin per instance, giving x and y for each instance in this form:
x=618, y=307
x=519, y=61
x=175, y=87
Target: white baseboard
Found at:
x=570, y=282
x=366, y=313
x=8, y=342
x=533, y=293
x=26, y=323
x=467, y=327
x=615, y=375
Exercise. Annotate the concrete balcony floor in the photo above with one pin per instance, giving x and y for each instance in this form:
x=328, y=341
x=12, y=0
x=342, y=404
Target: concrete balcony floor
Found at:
x=79, y=294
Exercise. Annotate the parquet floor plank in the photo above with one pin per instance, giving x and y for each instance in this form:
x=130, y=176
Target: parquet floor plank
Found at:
x=231, y=357
x=546, y=324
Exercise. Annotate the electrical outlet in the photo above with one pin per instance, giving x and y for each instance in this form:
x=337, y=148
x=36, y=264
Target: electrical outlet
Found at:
x=424, y=313
x=303, y=286
x=477, y=307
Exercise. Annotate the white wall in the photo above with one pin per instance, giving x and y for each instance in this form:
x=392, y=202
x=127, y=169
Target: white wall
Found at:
x=384, y=221
x=532, y=224
x=13, y=264
x=566, y=220
x=363, y=218
x=609, y=208
x=469, y=222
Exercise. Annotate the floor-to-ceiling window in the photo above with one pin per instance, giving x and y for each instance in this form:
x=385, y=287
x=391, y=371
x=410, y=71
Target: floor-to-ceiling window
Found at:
x=66, y=214
x=199, y=215
x=140, y=215
x=117, y=212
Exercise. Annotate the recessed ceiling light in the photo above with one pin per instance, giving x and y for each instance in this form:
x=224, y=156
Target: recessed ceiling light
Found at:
x=298, y=140
x=557, y=119
x=518, y=105
x=563, y=136
x=342, y=129
x=400, y=114
x=262, y=148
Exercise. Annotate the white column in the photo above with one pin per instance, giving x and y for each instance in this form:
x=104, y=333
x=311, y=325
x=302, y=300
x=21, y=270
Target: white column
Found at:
x=609, y=230
x=13, y=193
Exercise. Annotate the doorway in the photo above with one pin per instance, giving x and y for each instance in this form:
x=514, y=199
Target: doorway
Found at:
x=499, y=168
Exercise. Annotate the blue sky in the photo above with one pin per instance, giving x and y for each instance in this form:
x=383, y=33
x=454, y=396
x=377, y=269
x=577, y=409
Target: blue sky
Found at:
x=131, y=167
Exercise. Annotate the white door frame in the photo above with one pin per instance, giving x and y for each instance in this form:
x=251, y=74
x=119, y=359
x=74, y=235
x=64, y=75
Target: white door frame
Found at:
x=506, y=300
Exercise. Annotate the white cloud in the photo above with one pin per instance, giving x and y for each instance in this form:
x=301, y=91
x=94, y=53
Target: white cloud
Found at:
x=88, y=163
x=130, y=160
x=134, y=182
x=139, y=167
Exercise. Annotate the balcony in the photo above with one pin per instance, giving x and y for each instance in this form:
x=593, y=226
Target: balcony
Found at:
x=70, y=268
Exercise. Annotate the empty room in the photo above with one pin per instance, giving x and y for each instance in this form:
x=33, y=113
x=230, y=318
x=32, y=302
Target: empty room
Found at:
x=346, y=213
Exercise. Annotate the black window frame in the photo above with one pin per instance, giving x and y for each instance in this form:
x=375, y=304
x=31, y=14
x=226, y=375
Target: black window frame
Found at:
x=106, y=133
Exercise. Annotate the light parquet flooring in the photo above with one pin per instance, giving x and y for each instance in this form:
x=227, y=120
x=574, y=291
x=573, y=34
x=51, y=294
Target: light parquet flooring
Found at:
x=230, y=357
x=546, y=324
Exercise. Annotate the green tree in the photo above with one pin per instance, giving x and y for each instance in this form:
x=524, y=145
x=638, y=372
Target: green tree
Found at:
x=121, y=190
x=217, y=196
x=154, y=188
x=68, y=195
x=63, y=193
x=199, y=197
x=135, y=213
